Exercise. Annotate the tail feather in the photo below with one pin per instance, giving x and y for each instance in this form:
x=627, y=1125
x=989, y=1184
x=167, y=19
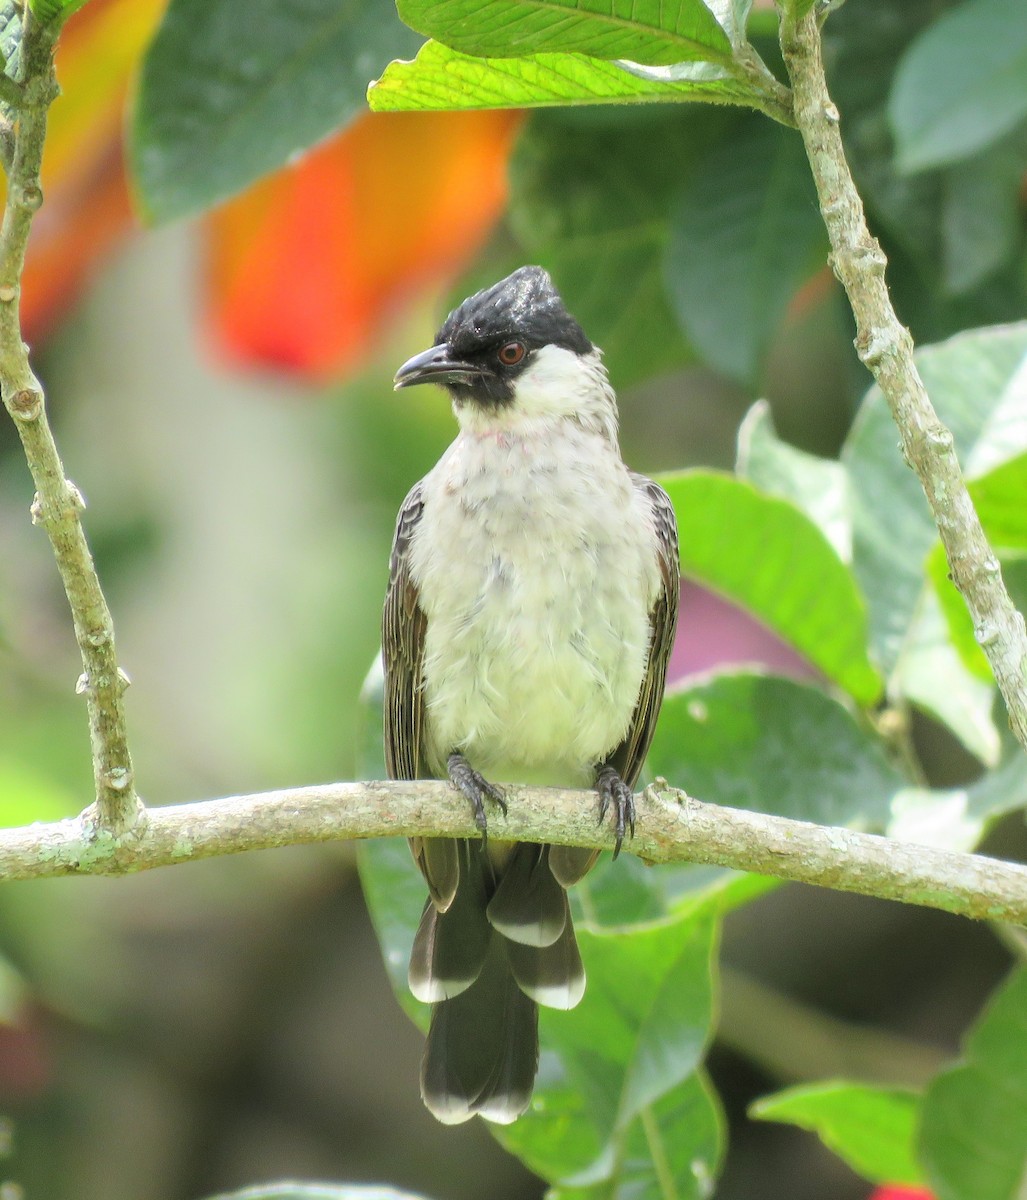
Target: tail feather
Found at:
x=438, y=860
x=529, y=906
x=503, y=944
x=570, y=864
x=451, y=944
x=482, y=1049
x=552, y=976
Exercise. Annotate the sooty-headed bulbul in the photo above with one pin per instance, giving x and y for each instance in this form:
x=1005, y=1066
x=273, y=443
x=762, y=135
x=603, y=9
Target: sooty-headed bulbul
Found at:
x=529, y=618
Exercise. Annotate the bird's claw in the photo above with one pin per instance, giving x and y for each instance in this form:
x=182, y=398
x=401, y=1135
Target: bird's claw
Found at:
x=477, y=789
x=613, y=790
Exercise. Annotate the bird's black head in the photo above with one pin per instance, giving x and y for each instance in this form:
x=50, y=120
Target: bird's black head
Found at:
x=490, y=339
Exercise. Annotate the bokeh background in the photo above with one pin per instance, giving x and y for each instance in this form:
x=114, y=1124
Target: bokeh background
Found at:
x=221, y=392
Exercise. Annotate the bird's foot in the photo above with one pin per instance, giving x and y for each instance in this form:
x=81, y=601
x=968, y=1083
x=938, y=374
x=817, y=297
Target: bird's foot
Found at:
x=476, y=788
x=613, y=790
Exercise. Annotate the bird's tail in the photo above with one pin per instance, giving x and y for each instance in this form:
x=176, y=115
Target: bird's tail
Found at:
x=503, y=945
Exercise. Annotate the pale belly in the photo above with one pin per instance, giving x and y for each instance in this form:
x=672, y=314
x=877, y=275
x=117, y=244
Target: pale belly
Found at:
x=538, y=628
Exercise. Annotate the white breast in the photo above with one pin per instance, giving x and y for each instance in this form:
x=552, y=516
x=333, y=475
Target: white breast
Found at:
x=536, y=567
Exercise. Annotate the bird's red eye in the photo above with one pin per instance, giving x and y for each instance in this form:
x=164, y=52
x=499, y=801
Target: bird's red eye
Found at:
x=511, y=353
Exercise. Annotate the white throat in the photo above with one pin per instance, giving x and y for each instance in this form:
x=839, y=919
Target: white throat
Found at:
x=557, y=385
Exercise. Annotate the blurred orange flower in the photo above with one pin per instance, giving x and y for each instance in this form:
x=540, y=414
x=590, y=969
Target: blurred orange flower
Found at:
x=309, y=264
x=87, y=208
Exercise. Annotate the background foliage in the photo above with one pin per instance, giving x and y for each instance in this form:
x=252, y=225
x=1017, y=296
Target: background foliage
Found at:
x=227, y=1022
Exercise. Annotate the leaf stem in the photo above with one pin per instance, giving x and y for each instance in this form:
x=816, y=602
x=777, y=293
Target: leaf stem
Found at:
x=57, y=503
x=886, y=348
x=776, y=98
x=658, y=1154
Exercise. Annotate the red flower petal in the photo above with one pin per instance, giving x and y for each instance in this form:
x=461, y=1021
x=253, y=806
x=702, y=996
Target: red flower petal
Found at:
x=895, y=1191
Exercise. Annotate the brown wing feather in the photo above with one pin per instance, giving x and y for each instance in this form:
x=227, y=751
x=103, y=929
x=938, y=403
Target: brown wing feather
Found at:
x=403, y=627
x=629, y=756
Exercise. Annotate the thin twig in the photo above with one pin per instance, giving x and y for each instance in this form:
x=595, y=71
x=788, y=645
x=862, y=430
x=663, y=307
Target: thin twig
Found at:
x=887, y=350
x=671, y=828
x=58, y=503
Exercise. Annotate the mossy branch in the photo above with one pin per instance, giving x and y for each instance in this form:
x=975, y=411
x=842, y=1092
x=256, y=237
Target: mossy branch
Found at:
x=672, y=827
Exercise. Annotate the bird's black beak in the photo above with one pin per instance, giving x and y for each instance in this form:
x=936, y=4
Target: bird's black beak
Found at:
x=435, y=365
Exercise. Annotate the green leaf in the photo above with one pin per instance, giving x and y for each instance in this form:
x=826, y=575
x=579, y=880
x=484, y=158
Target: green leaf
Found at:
x=979, y=390
x=864, y=44
x=767, y=556
x=980, y=215
x=395, y=894
x=961, y=692
x=646, y=31
x=590, y=201
x=1000, y=497
x=674, y=1148
x=934, y=674
x=871, y=1128
x=817, y=486
x=47, y=10
x=11, y=14
x=751, y=207
x=443, y=79
x=289, y=1190
x=15, y=994
x=973, y=1119
x=961, y=85
x=233, y=90
x=773, y=745
x=26, y=795
x=941, y=667
x=615, y=895
x=943, y=272
x=958, y=621
x=1003, y=789
x=638, y=1034
x=957, y=818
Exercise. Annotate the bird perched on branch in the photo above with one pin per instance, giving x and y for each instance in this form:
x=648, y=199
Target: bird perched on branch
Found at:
x=529, y=618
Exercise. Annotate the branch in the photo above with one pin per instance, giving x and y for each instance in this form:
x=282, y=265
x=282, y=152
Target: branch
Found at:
x=886, y=348
x=672, y=827
x=58, y=502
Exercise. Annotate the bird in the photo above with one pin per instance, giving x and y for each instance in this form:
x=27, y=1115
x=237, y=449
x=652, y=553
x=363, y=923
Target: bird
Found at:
x=527, y=628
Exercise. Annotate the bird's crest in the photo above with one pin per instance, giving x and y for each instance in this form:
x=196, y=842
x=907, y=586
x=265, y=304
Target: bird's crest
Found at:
x=524, y=305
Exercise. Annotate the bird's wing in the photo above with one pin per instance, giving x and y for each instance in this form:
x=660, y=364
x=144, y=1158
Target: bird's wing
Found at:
x=403, y=632
x=629, y=756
